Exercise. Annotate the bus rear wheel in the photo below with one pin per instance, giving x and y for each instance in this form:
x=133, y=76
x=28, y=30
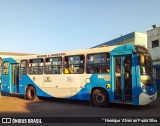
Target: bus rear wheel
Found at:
x=31, y=93
x=100, y=98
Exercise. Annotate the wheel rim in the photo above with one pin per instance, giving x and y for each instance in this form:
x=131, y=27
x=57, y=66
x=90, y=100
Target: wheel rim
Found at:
x=100, y=98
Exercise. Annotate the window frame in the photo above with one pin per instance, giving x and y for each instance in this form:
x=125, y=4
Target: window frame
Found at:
x=24, y=67
x=5, y=68
x=36, y=67
x=96, y=65
x=53, y=66
x=155, y=43
x=81, y=66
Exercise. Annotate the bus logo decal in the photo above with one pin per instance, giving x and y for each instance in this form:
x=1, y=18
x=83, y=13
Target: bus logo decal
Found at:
x=108, y=86
x=47, y=79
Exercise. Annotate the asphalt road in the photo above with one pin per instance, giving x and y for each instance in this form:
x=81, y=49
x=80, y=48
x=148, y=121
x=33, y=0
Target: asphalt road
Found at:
x=17, y=106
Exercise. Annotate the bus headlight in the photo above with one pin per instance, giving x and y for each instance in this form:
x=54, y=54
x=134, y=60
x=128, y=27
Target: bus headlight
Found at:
x=143, y=88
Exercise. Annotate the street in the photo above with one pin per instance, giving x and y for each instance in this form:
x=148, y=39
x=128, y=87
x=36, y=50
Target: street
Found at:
x=17, y=106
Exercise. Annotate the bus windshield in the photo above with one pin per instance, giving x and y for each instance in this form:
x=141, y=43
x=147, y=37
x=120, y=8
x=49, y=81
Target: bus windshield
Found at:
x=145, y=64
x=146, y=67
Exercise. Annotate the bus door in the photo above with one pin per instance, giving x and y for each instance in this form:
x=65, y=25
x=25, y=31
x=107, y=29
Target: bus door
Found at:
x=123, y=78
x=14, y=78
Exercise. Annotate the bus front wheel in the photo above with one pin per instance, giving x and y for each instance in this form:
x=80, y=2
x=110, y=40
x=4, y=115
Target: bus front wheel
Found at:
x=100, y=98
x=31, y=93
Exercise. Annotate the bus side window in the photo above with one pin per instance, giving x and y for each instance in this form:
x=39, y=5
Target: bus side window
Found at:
x=5, y=68
x=74, y=64
x=23, y=67
x=98, y=63
x=35, y=66
x=53, y=65
x=66, y=66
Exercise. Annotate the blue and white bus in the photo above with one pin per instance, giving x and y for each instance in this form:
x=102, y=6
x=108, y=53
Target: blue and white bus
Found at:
x=102, y=75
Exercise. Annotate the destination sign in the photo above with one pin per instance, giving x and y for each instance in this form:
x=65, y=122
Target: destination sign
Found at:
x=51, y=55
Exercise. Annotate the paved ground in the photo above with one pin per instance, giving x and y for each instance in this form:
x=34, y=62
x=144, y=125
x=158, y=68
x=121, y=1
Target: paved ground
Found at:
x=17, y=106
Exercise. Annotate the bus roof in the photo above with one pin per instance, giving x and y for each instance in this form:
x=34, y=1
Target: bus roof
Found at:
x=75, y=52
x=111, y=49
x=8, y=54
x=130, y=47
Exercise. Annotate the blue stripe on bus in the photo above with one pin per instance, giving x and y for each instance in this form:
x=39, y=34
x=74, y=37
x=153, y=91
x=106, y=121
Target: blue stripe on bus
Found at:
x=83, y=94
x=27, y=81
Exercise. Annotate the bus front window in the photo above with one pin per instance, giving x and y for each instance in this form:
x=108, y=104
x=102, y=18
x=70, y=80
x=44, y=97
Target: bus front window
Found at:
x=146, y=69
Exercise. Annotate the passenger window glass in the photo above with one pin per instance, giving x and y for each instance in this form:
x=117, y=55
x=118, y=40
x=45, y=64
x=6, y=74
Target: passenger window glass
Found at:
x=35, y=66
x=74, y=64
x=5, y=68
x=98, y=63
x=53, y=65
x=23, y=67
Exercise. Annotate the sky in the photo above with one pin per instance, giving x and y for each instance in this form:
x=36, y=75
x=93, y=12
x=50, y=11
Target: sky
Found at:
x=46, y=26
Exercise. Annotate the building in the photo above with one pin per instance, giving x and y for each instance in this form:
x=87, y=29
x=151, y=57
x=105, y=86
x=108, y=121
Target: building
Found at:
x=137, y=38
x=154, y=49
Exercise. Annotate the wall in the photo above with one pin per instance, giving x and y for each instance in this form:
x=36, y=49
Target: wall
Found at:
x=141, y=39
x=154, y=34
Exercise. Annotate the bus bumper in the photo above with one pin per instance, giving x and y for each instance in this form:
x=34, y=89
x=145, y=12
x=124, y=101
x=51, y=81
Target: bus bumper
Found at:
x=145, y=99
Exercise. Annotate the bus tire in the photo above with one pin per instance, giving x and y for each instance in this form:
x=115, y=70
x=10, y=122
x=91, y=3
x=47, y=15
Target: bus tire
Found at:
x=99, y=98
x=31, y=93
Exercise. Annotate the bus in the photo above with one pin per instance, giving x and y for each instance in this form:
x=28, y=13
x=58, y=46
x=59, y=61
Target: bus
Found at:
x=102, y=75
